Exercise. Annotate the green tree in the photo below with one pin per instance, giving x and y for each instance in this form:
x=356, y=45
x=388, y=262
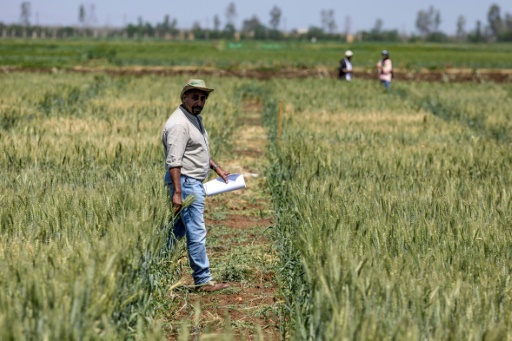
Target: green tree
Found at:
x=229, y=31
x=477, y=35
x=275, y=17
x=461, y=27
x=377, y=28
x=494, y=19
x=167, y=26
x=428, y=21
x=506, y=34
x=25, y=13
x=216, y=23
x=508, y=21
x=328, y=20
x=231, y=14
x=315, y=32
x=81, y=15
x=254, y=28
x=199, y=32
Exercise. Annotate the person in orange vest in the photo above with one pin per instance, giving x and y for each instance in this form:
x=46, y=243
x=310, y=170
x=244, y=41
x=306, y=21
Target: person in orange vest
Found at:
x=385, y=69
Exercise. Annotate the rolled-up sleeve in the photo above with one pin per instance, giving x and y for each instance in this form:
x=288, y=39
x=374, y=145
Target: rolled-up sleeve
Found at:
x=177, y=138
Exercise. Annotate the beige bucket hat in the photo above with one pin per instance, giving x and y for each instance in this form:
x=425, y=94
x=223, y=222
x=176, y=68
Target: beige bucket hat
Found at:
x=198, y=84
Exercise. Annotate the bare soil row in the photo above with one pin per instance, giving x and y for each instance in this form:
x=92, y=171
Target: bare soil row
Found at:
x=441, y=75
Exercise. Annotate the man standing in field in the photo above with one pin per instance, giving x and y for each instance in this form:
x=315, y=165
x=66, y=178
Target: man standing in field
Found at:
x=346, y=66
x=385, y=69
x=187, y=163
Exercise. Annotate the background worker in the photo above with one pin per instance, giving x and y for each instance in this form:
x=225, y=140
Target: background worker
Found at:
x=345, y=71
x=385, y=69
x=187, y=163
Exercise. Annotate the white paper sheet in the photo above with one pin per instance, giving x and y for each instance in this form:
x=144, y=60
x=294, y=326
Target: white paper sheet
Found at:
x=218, y=186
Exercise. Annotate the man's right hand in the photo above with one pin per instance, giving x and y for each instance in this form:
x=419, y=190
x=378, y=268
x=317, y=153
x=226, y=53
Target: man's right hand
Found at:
x=177, y=203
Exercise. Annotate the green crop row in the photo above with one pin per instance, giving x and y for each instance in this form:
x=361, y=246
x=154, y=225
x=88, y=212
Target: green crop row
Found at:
x=393, y=210
x=248, y=54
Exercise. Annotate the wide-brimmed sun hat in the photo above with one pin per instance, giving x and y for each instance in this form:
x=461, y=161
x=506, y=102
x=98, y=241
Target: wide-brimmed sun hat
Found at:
x=349, y=53
x=198, y=84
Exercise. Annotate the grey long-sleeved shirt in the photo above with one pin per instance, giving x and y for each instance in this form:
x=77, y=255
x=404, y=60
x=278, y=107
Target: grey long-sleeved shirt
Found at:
x=185, y=145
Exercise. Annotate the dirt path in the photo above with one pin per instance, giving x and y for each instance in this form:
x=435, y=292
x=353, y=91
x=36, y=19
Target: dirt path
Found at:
x=439, y=75
x=240, y=253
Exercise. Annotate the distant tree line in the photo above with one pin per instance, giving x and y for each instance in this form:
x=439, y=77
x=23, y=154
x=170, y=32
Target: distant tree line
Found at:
x=428, y=21
x=499, y=28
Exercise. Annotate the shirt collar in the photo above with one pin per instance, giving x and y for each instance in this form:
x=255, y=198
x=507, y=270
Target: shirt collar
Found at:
x=192, y=118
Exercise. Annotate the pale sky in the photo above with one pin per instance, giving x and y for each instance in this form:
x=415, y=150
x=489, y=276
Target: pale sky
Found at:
x=362, y=14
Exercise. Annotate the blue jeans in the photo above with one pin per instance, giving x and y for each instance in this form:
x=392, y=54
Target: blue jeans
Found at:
x=190, y=223
x=386, y=84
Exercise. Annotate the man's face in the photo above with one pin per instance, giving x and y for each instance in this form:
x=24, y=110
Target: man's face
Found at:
x=194, y=101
